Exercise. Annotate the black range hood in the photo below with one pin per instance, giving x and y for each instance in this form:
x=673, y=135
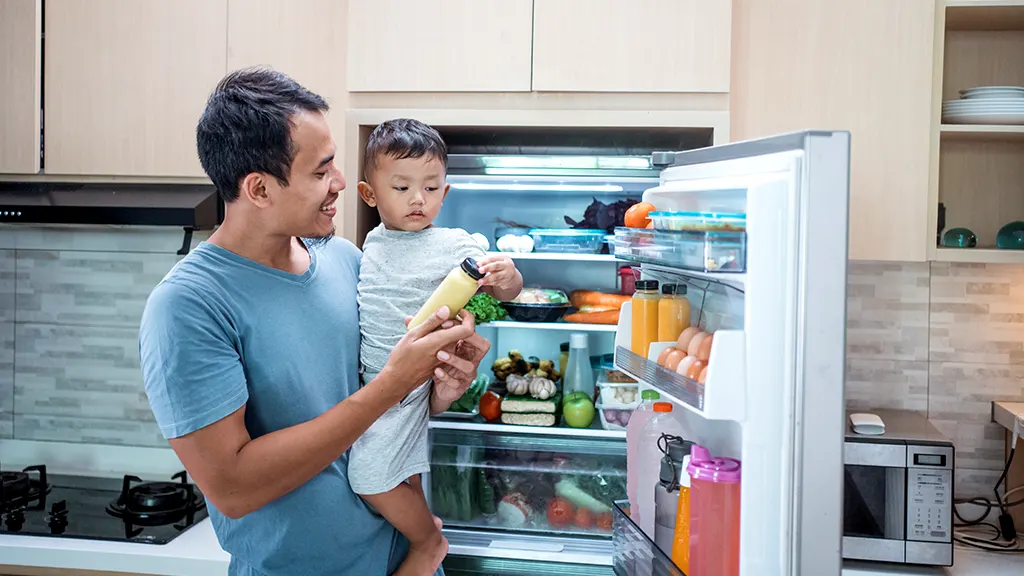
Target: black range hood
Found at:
x=189, y=206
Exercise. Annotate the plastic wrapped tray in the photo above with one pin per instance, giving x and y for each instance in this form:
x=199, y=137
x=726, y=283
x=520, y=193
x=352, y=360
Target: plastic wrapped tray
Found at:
x=699, y=221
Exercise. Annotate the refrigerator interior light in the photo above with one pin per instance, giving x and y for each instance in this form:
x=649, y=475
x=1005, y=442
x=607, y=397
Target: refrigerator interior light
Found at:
x=537, y=187
x=571, y=162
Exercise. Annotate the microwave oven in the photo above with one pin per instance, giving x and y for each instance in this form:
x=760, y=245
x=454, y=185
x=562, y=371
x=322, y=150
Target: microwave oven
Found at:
x=898, y=493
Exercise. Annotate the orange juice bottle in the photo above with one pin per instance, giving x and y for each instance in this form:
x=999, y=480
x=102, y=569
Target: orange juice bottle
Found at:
x=673, y=312
x=681, y=543
x=645, y=316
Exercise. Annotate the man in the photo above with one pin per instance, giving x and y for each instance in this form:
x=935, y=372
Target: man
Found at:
x=250, y=345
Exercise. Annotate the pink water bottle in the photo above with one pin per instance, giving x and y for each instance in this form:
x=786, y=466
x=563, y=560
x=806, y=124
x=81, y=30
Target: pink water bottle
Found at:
x=714, y=514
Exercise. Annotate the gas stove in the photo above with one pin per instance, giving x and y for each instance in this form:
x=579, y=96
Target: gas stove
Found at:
x=34, y=503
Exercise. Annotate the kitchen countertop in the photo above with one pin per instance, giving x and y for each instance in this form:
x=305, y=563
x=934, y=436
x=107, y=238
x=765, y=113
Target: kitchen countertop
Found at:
x=195, y=552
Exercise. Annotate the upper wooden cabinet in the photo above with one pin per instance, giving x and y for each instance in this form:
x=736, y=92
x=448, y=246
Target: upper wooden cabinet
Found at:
x=439, y=45
x=864, y=66
x=631, y=46
x=126, y=82
x=20, y=62
x=304, y=39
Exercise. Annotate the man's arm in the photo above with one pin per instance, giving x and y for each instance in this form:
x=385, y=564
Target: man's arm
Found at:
x=240, y=475
x=190, y=366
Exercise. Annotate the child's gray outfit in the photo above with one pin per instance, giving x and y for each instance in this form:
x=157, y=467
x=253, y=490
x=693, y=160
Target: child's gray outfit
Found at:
x=399, y=272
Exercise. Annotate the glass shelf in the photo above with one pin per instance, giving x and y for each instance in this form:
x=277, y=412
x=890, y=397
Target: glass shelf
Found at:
x=634, y=552
x=717, y=252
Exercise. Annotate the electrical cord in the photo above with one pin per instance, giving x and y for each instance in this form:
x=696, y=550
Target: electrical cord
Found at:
x=976, y=532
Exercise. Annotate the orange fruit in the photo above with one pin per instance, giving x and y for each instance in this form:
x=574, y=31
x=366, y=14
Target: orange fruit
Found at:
x=637, y=215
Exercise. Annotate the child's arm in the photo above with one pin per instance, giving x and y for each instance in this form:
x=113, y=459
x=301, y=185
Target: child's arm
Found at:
x=502, y=280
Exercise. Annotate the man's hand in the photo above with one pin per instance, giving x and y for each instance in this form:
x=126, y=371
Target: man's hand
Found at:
x=457, y=372
x=416, y=356
x=501, y=279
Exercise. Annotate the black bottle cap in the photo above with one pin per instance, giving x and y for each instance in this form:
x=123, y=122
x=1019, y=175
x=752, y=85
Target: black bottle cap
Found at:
x=469, y=267
x=679, y=289
x=647, y=285
x=564, y=346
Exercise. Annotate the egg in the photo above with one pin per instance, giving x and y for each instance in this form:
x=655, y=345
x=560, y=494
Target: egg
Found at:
x=703, y=375
x=673, y=359
x=684, y=366
x=704, y=349
x=691, y=350
x=694, y=372
x=664, y=355
x=686, y=336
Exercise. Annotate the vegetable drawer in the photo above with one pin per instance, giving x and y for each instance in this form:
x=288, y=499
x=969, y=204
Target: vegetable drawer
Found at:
x=526, y=483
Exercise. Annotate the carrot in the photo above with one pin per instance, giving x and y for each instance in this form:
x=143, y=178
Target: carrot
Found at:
x=581, y=298
x=606, y=317
x=588, y=309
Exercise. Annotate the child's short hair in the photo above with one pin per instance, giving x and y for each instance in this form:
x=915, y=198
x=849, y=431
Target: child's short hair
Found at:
x=403, y=138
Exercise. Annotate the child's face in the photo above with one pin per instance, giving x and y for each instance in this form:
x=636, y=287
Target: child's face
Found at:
x=407, y=192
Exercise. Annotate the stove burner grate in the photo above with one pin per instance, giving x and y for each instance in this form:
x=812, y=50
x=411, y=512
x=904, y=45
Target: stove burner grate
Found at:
x=21, y=490
x=156, y=503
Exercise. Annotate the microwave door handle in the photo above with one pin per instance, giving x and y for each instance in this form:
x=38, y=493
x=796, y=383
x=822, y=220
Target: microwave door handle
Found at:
x=896, y=504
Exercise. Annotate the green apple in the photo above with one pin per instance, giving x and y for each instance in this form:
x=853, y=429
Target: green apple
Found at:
x=578, y=410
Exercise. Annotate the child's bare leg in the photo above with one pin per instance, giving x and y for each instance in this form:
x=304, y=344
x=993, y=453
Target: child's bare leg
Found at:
x=406, y=509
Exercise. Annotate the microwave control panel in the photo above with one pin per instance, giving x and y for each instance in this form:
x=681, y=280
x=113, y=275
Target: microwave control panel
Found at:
x=929, y=494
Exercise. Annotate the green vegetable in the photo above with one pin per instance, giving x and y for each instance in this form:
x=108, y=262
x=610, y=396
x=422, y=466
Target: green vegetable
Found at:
x=485, y=494
x=471, y=396
x=485, y=308
x=568, y=488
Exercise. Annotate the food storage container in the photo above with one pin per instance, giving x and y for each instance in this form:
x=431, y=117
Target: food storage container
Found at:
x=699, y=221
x=618, y=395
x=705, y=251
x=536, y=312
x=568, y=241
x=613, y=418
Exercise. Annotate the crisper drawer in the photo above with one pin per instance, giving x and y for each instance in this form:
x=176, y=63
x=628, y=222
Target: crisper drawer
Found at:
x=526, y=482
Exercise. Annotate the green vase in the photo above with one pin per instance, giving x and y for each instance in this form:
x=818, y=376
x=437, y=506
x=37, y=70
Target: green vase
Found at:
x=959, y=238
x=1011, y=236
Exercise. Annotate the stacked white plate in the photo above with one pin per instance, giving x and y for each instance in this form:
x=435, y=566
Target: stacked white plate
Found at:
x=986, y=105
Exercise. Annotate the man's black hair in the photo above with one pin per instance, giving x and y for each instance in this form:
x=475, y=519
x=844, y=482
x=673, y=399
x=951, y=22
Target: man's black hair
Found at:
x=246, y=127
x=403, y=138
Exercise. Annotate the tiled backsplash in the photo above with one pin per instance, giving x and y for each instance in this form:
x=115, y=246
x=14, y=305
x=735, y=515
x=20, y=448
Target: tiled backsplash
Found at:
x=70, y=303
x=942, y=339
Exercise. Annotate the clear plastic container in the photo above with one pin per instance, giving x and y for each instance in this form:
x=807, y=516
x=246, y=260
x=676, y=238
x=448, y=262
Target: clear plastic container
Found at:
x=649, y=462
x=568, y=241
x=699, y=221
x=634, y=430
x=618, y=395
x=705, y=251
x=616, y=419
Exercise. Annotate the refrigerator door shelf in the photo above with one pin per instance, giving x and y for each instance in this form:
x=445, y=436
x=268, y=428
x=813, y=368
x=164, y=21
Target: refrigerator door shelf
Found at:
x=635, y=552
x=721, y=397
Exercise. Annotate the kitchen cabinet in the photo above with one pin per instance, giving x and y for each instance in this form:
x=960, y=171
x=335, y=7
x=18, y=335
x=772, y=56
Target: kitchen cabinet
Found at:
x=304, y=39
x=20, y=87
x=866, y=67
x=126, y=83
x=635, y=46
x=439, y=45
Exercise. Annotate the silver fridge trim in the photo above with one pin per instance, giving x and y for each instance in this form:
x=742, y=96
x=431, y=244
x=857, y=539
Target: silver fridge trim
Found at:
x=874, y=549
x=875, y=454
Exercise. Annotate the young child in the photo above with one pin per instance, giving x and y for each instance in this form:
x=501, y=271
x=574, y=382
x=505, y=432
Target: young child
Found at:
x=404, y=260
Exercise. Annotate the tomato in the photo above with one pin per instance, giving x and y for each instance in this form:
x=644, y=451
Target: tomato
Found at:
x=637, y=215
x=490, y=406
x=559, y=513
x=583, y=518
x=604, y=521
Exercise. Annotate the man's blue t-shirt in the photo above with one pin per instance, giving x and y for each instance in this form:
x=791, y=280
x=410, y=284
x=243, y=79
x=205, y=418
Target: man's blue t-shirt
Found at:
x=221, y=331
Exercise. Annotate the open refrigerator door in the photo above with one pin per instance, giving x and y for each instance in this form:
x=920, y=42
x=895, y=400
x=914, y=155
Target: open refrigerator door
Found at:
x=774, y=298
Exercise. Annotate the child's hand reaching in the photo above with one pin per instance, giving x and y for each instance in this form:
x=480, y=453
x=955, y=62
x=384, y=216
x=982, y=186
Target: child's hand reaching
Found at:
x=501, y=278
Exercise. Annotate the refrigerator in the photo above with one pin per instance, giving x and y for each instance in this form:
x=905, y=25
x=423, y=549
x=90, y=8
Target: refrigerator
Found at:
x=774, y=294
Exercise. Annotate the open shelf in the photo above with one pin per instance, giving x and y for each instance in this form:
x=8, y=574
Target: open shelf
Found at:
x=560, y=431
x=719, y=398
x=982, y=132
x=635, y=552
x=984, y=15
x=555, y=256
x=980, y=255
x=565, y=326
